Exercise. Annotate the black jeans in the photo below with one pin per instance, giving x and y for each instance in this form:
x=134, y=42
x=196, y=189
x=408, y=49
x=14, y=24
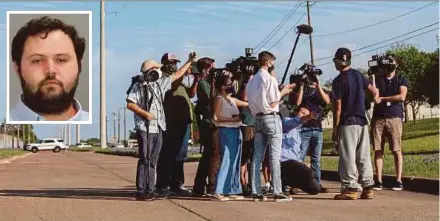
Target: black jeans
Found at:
x=204, y=167
x=170, y=171
x=296, y=174
x=148, y=157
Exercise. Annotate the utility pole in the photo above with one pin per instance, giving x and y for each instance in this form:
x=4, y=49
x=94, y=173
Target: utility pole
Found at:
x=5, y=141
x=125, y=124
x=78, y=139
x=106, y=126
x=119, y=126
x=312, y=59
x=103, y=132
x=29, y=133
x=114, y=127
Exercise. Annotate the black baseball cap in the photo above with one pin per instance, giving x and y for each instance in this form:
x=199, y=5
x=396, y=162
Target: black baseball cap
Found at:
x=343, y=54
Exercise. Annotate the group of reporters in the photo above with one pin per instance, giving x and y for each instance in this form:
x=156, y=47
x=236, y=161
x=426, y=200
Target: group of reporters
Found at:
x=240, y=129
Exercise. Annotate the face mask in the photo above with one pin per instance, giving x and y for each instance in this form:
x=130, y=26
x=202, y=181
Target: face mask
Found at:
x=390, y=68
x=271, y=68
x=230, y=90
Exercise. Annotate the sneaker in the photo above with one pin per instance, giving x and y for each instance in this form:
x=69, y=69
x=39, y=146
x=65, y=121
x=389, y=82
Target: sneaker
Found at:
x=324, y=190
x=220, y=197
x=378, y=186
x=144, y=197
x=182, y=191
x=294, y=191
x=281, y=198
x=367, y=193
x=347, y=194
x=236, y=197
x=259, y=198
x=398, y=186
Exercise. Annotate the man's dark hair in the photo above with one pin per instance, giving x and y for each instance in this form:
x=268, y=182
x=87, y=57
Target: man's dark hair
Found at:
x=265, y=56
x=45, y=25
x=204, y=63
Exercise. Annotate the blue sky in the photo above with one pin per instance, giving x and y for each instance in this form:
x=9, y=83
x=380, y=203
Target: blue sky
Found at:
x=146, y=30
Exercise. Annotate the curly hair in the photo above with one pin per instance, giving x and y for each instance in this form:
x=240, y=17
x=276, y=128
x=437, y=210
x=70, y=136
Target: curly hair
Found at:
x=46, y=24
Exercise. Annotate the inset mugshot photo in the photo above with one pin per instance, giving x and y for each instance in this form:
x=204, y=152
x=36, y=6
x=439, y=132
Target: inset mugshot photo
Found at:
x=49, y=62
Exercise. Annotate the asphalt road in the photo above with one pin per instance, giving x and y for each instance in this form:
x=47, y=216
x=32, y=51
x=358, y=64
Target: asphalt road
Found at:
x=88, y=186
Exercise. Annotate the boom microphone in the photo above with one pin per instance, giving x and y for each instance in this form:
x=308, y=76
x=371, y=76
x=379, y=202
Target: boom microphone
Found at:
x=305, y=29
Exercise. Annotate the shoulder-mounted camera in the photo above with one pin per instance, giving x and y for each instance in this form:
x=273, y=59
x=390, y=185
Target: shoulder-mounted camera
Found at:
x=381, y=63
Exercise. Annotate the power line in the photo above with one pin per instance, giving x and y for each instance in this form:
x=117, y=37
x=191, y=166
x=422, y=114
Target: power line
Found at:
x=377, y=43
x=377, y=23
x=278, y=27
x=384, y=46
x=291, y=28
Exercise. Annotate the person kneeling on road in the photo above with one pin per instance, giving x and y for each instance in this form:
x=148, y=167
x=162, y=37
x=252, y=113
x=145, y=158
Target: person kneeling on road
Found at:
x=294, y=173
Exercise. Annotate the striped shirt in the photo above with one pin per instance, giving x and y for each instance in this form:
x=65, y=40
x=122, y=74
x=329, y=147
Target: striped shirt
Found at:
x=157, y=91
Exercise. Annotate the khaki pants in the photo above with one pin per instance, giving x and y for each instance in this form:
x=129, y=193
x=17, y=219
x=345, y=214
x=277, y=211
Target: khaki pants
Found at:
x=390, y=128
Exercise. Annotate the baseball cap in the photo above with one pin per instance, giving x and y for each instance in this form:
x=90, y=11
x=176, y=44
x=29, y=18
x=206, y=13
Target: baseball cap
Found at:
x=149, y=64
x=169, y=57
x=205, y=62
x=343, y=54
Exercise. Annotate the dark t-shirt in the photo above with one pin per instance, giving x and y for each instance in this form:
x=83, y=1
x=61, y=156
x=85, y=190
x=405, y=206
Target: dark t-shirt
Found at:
x=177, y=99
x=388, y=88
x=350, y=86
x=313, y=102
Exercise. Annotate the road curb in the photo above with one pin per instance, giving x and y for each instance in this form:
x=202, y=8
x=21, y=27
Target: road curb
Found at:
x=413, y=184
x=10, y=159
x=134, y=154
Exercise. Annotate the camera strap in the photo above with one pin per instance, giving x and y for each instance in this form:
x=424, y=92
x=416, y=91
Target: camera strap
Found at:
x=160, y=98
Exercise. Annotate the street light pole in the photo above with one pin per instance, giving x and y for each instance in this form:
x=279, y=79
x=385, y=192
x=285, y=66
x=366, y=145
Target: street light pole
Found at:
x=103, y=132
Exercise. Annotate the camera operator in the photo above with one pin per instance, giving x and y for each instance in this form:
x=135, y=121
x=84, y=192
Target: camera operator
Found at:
x=170, y=172
x=154, y=119
x=203, y=111
x=387, y=119
x=350, y=128
x=311, y=131
x=264, y=98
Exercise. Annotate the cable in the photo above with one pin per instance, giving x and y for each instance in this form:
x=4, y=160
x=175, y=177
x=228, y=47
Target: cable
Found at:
x=385, y=45
x=377, y=43
x=377, y=23
x=279, y=26
x=291, y=28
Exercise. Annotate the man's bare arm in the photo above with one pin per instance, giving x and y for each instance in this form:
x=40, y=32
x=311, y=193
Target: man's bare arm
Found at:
x=139, y=111
x=397, y=98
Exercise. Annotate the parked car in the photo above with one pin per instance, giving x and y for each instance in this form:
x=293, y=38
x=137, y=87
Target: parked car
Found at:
x=54, y=144
x=83, y=145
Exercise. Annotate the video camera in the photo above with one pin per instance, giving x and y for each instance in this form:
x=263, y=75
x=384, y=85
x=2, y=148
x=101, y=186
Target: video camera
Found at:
x=244, y=66
x=148, y=76
x=306, y=74
x=383, y=62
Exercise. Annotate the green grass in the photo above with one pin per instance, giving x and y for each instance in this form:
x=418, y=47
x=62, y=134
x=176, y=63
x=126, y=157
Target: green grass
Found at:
x=11, y=153
x=75, y=149
x=426, y=166
x=422, y=137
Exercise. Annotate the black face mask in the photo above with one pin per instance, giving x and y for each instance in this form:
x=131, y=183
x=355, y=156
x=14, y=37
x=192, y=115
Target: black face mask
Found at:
x=390, y=68
x=169, y=68
x=271, y=68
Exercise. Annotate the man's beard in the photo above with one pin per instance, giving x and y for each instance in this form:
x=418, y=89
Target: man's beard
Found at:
x=44, y=102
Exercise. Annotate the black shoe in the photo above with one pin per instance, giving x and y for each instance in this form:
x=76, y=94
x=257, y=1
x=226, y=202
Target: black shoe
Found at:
x=259, y=198
x=324, y=190
x=293, y=191
x=181, y=191
x=161, y=193
x=378, y=186
x=281, y=198
x=247, y=191
x=398, y=186
x=144, y=197
x=196, y=193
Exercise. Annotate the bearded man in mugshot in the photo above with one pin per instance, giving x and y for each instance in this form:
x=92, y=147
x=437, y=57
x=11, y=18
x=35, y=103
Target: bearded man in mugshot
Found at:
x=47, y=56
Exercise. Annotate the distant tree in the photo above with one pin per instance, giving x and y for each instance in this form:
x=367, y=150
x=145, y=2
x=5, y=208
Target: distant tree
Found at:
x=430, y=80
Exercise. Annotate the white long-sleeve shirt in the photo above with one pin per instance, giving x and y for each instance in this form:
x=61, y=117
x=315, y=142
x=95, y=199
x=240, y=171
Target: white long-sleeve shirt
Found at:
x=261, y=91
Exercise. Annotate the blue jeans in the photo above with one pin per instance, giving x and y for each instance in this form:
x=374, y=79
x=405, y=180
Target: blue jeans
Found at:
x=311, y=138
x=268, y=132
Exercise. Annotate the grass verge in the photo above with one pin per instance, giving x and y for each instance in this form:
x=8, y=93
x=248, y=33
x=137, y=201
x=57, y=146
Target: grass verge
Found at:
x=423, y=166
x=11, y=152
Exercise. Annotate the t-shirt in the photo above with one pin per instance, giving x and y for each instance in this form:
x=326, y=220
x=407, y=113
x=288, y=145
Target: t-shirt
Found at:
x=387, y=88
x=314, y=103
x=350, y=86
x=202, y=106
x=178, y=99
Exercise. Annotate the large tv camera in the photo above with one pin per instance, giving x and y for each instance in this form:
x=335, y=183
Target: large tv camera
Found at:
x=148, y=76
x=244, y=66
x=306, y=74
x=381, y=63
